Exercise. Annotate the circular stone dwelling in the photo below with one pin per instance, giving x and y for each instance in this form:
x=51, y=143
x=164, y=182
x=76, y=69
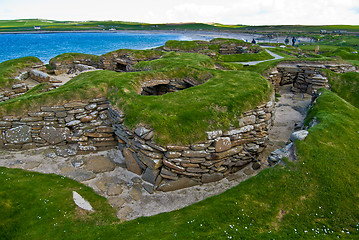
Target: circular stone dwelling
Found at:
x=178, y=119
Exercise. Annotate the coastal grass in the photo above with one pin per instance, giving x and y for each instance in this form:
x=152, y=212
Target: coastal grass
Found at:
x=184, y=116
x=245, y=57
x=314, y=197
x=70, y=57
x=346, y=85
x=53, y=25
x=138, y=55
x=179, y=117
x=19, y=25
x=35, y=205
x=9, y=69
x=346, y=53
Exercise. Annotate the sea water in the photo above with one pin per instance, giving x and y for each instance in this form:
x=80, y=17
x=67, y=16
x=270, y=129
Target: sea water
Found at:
x=48, y=45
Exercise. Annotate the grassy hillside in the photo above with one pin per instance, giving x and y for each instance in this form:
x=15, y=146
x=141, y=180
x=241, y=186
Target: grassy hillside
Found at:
x=52, y=25
x=345, y=85
x=314, y=197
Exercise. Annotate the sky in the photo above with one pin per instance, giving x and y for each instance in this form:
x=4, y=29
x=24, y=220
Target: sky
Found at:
x=246, y=12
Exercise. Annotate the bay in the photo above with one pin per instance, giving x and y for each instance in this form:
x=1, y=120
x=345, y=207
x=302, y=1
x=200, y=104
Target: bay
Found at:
x=48, y=45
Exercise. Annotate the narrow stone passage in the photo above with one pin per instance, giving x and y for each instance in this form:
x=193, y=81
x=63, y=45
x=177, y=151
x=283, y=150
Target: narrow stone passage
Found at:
x=290, y=113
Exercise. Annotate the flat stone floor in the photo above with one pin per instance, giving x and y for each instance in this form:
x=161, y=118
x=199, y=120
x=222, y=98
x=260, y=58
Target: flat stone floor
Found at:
x=123, y=189
x=291, y=110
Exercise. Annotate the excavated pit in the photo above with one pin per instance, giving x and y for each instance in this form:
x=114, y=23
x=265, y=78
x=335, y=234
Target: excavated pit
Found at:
x=160, y=87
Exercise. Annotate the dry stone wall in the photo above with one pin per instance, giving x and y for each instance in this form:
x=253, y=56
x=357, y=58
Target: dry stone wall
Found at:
x=20, y=86
x=305, y=77
x=89, y=126
x=70, y=66
x=123, y=61
x=171, y=167
x=82, y=125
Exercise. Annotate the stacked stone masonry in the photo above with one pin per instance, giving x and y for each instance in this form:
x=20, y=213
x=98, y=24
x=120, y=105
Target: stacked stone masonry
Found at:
x=82, y=125
x=305, y=77
x=171, y=167
x=93, y=125
x=122, y=62
x=71, y=66
x=20, y=87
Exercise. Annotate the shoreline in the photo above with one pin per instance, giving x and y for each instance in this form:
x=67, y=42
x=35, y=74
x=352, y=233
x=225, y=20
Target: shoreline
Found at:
x=207, y=34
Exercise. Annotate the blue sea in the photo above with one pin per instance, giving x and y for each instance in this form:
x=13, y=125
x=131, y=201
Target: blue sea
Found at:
x=48, y=45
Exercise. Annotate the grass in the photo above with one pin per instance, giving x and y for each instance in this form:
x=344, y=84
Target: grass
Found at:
x=346, y=53
x=19, y=25
x=179, y=118
x=52, y=25
x=246, y=57
x=345, y=85
x=70, y=57
x=9, y=69
x=314, y=197
x=138, y=55
x=35, y=205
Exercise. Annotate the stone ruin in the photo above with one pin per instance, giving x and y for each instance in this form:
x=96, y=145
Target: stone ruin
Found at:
x=95, y=125
x=305, y=77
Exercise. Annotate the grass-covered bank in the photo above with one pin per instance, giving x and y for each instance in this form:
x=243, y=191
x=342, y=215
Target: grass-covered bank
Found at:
x=9, y=69
x=314, y=197
x=345, y=85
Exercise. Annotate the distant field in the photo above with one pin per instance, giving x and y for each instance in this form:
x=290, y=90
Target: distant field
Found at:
x=52, y=25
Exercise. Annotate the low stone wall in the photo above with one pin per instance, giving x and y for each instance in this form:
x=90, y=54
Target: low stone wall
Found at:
x=39, y=76
x=83, y=125
x=70, y=66
x=171, y=167
x=122, y=61
x=17, y=90
x=305, y=77
x=89, y=126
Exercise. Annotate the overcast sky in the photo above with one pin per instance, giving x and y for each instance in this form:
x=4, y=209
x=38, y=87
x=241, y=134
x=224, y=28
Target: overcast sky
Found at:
x=248, y=12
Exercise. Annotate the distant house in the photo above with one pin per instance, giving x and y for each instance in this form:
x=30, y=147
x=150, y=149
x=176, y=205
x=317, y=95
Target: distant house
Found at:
x=112, y=29
x=37, y=27
x=323, y=31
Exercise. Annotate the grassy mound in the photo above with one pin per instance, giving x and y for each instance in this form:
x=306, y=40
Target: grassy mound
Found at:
x=315, y=197
x=179, y=117
x=246, y=57
x=137, y=55
x=70, y=57
x=9, y=69
x=345, y=85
